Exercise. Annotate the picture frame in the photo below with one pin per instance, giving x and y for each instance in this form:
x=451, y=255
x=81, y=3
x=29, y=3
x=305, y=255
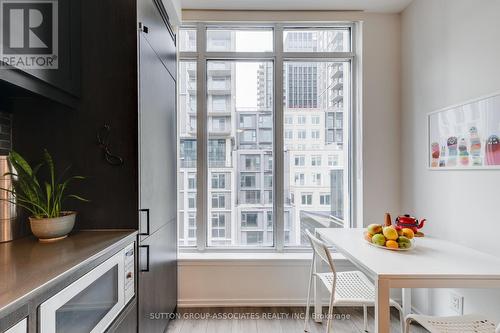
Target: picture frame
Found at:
x=465, y=136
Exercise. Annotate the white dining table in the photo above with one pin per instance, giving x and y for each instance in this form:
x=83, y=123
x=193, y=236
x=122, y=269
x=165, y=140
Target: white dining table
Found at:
x=432, y=263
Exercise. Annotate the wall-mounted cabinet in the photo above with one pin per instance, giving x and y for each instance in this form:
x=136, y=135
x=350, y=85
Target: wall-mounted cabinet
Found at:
x=33, y=72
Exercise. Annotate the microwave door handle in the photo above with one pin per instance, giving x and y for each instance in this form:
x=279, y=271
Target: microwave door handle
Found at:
x=142, y=267
x=143, y=212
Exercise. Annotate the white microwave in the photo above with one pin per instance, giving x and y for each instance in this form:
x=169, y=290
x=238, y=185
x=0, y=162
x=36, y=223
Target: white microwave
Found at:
x=91, y=303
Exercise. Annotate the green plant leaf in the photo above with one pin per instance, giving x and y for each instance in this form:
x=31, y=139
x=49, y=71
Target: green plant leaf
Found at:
x=29, y=191
x=39, y=208
x=6, y=190
x=17, y=195
x=60, y=177
x=50, y=163
x=27, y=179
x=37, y=168
x=40, y=201
x=78, y=198
x=62, y=187
x=17, y=159
x=48, y=193
x=23, y=206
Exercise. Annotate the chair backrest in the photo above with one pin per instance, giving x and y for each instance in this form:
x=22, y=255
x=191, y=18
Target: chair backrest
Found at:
x=320, y=249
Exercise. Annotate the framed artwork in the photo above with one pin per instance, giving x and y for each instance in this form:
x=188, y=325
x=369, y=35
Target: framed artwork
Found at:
x=465, y=136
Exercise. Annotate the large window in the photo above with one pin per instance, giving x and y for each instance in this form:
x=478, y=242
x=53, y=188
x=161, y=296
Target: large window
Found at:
x=275, y=163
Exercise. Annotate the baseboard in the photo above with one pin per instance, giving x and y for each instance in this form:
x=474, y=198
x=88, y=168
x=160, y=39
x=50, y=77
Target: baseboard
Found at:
x=222, y=303
x=414, y=309
x=205, y=303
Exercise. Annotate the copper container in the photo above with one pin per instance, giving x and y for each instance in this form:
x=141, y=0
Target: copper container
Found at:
x=9, y=228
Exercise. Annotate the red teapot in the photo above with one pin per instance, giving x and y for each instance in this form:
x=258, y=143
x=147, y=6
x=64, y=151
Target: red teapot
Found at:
x=407, y=221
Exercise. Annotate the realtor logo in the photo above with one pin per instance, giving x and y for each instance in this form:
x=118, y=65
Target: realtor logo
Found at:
x=28, y=36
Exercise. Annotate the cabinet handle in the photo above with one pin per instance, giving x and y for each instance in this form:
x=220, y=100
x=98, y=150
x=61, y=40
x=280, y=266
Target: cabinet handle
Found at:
x=147, y=258
x=141, y=212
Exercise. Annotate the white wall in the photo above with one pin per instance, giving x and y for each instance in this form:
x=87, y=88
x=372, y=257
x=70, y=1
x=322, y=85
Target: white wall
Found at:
x=260, y=283
x=246, y=280
x=173, y=8
x=381, y=116
x=451, y=53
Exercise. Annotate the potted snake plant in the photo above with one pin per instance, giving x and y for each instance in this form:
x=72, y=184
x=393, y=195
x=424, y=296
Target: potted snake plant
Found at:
x=42, y=199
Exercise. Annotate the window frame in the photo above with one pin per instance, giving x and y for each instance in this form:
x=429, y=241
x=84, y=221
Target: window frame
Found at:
x=278, y=57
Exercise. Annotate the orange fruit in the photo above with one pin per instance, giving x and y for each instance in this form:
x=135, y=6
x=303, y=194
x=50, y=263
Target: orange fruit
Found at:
x=408, y=233
x=392, y=244
x=390, y=233
x=368, y=236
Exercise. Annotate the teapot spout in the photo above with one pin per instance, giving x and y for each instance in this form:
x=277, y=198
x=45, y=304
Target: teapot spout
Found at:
x=421, y=224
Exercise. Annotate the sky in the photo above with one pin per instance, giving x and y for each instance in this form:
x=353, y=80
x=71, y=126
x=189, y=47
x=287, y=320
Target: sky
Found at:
x=246, y=71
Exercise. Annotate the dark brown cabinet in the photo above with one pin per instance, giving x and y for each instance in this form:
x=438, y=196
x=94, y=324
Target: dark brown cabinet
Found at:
x=157, y=140
x=128, y=100
x=157, y=275
x=157, y=280
x=61, y=84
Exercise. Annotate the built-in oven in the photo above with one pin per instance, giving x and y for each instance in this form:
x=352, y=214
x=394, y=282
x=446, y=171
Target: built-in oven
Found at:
x=91, y=303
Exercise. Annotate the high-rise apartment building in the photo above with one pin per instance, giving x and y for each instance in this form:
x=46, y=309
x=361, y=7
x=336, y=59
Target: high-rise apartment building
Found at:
x=255, y=176
x=187, y=154
x=221, y=133
x=265, y=87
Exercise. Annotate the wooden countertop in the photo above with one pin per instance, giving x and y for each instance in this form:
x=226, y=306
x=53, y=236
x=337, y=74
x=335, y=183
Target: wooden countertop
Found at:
x=28, y=266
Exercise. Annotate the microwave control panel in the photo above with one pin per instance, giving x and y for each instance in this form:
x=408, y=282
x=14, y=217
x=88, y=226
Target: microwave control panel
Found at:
x=129, y=267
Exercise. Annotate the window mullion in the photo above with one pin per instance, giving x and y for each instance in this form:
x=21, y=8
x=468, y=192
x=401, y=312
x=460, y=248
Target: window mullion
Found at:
x=279, y=188
x=317, y=55
x=239, y=55
x=202, y=142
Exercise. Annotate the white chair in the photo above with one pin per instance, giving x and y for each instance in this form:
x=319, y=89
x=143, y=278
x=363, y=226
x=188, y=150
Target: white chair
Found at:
x=346, y=288
x=456, y=324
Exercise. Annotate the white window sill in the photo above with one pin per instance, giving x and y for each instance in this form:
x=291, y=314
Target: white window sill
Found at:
x=232, y=258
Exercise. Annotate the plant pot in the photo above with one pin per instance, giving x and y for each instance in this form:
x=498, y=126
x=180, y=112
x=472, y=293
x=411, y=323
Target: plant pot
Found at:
x=53, y=229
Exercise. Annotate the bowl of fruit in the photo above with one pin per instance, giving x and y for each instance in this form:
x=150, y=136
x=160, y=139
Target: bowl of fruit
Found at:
x=389, y=237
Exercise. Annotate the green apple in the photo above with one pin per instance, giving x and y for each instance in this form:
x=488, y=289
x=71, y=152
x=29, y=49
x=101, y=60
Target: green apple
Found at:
x=404, y=242
x=378, y=239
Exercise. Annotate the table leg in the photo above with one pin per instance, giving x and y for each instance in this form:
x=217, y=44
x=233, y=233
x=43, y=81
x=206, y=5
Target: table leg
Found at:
x=382, y=314
x=318, y=310
x=406, y=301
